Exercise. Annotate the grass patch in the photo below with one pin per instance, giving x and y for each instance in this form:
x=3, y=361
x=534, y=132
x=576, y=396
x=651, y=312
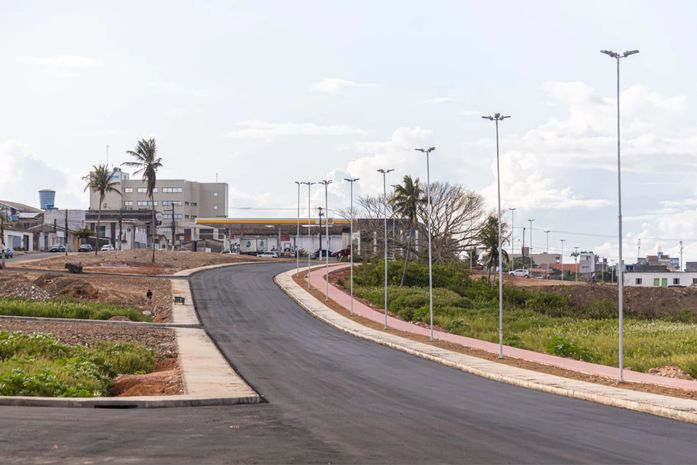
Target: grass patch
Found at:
x=67, y=309
x=38, y=365
x=536, y=319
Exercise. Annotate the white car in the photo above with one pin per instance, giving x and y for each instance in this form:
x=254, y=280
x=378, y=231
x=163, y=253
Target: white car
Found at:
x=107, y=248
x=520, y=273
x=268, y=254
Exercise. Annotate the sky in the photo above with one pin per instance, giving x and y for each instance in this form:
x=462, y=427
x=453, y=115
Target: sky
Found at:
x=263, y=94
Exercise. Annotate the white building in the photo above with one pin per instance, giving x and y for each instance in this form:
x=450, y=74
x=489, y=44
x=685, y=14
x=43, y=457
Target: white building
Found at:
x=660, y=278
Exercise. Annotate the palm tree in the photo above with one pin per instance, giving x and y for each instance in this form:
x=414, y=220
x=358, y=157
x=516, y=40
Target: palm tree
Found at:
x=406, y=201
x=147, y=163
x=100, y=181
x=489, y=241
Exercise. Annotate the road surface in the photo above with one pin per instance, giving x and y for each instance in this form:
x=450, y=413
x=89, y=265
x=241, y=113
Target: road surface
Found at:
x=334, y=398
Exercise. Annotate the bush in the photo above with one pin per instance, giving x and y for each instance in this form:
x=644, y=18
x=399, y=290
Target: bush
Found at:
x=67, y=309
x=557, y=345
x=38, y=365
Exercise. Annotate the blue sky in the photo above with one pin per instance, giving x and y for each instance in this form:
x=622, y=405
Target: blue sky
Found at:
x=266, y=93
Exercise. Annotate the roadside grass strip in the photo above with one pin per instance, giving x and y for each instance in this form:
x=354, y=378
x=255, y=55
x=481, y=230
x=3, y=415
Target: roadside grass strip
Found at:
x=37, y=364
x=12, y=306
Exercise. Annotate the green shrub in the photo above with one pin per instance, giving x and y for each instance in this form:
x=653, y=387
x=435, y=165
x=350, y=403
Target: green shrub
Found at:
x=557, y=345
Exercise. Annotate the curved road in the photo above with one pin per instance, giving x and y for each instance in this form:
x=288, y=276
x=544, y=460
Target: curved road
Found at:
x=334, y=398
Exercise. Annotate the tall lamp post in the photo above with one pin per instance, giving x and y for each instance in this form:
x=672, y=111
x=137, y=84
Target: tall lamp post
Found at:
x=430, y=259
x=297, y=233
x=351, y=181
x=384, y=193
x=496, y=118
x=309, y=229
x=326, y=183
x=620, y=278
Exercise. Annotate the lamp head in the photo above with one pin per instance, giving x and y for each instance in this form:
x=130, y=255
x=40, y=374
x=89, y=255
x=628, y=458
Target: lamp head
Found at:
x=629, y=52
x=610, y=53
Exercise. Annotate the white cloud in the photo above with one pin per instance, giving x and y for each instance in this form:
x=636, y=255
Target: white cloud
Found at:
x=23, y=174
x=397, y=153
x=177, y=89
x=437, y=100
x=266, y=130
x=337, y=86
x=63, y=65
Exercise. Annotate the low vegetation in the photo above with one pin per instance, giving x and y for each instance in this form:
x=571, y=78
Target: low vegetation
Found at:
x=535, y=319
x=67, y=309
x=37, y=364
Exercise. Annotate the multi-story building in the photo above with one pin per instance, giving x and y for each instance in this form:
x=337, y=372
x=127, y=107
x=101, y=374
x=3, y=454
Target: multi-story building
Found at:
x=176, y=201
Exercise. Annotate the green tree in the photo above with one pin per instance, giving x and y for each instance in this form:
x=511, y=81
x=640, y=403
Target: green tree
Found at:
x=147, y=162
x=489, y=241
x=406, y=201
x=100, y=181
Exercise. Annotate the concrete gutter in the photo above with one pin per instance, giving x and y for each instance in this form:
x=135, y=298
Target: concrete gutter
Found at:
x=664, y=406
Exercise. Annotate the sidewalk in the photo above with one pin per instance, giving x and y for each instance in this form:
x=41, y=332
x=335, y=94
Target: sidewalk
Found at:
x=359, y=308
x=669, y=407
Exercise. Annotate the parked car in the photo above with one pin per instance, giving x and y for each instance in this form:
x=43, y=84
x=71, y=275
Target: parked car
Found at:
x=268, y=254
x=107, y=248
x=57, y=248
x=8, y=252
x=85, y=248
x=341, y=253
x=321, y=253
x=520, y=273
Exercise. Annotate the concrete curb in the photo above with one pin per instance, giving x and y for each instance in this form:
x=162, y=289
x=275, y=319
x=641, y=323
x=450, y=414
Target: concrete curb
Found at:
x=664, y=406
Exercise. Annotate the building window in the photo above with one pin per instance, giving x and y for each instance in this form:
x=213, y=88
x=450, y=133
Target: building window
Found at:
x=694, y=280
x=676, y=281
x=638, y=281
x=186, y=203
x=195, y=204
x=142, y=190
x=128, y=203
x=656, y=282
x=169, y=203
x=128, y=190
x=215, y=194
x=215, y=207
x=170, y=190
x=146, y=203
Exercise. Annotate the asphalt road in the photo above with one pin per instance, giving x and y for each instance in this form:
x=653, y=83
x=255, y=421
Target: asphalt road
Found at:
x=337, y=399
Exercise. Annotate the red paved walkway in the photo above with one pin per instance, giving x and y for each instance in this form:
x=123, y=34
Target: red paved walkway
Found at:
x=344, y=299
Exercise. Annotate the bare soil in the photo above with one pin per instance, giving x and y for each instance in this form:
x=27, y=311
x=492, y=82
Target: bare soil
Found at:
x=165, y=380
x=122, y=290
x=137, y=261
x=652, y=388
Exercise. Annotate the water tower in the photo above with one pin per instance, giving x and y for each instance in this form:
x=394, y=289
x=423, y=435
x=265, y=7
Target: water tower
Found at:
x=47, y=199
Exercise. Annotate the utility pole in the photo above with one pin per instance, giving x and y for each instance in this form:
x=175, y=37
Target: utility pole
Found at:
x=522, y=250
x=326, y=183
x=2, y=241
x=512, y=232
x=427, y=152
x=561, y=259
x=351, y=181
x=547, y=252
x=681, y=264
x=173, y=226
x=384, y=194
x=65, y=233
x=309, y=229
x=320, y=232
x=530, y=248
x=576, y=263
x=120, y=227
x=638, y=250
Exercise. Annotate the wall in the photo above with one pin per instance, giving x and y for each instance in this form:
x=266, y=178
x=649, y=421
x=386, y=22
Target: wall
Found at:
x=647, y=278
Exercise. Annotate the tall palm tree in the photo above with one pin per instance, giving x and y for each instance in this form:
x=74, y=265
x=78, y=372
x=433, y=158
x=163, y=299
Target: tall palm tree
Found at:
x=147, y=162
x=100, y=181
x=406, y=201
x=489, y=241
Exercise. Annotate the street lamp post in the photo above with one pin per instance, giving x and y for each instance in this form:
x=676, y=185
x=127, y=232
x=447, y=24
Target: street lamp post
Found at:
x=620, y=278
x=430, y=259
x=309, y=229
x=297, y=233
x=384, y=193
x=561, y=258
x=496, y=118
x=326, y=183
x=351, y=181
x=576, y=263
